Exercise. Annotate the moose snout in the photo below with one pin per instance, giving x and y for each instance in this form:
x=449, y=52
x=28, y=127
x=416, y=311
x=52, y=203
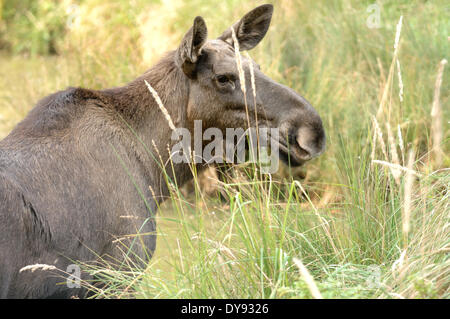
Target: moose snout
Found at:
x=311, y=141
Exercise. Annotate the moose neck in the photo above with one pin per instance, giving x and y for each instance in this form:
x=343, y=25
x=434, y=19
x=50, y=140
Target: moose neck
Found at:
x=139, y=108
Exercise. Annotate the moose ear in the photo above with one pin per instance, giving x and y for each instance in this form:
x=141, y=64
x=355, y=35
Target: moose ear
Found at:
x=191, y=46
x=251, y=28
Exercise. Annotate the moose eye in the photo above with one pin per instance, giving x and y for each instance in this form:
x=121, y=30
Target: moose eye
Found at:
x=225, y=82
x=222, y=79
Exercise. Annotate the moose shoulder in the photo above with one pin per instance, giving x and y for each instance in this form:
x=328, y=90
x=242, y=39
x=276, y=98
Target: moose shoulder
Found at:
x=77, y=181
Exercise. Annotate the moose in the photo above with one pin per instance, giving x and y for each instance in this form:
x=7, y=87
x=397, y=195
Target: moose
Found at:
x=77, y=167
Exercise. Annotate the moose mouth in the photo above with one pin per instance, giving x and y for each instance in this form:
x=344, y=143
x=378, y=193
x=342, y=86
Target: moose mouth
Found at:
x=290, y=153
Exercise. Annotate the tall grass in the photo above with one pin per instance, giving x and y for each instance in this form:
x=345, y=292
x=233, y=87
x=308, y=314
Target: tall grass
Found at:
x=371, y=216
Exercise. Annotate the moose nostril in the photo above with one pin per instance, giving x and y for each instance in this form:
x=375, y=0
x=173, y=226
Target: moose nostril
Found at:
x=305, y=153
x=309, y=143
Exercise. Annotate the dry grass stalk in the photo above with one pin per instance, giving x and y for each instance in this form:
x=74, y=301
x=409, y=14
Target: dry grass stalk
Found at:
x=400, y=143
x=380, y=138
x=238, y=60
x=391, y=69
x=157, y=151
x=241, y=73
x=252, y=78
x=399, y=167
x=407, y=201
x=397, y=265
x=34, y=267
x=394, y=155
x=181, y=256
x=253, y=84
x=308, y=279
x=161, y=105
x=398, y=31
x=161, y=175
x=400, y=82
x=129, y=217
x=382, y=75
x=436, y=118
x=152, y=191
x=221, y=248
x=374, y=143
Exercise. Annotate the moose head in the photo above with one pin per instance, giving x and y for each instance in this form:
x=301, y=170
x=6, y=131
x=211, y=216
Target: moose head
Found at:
x=216, y=95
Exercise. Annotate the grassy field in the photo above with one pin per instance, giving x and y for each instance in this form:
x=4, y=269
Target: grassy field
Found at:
x=368, y=219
